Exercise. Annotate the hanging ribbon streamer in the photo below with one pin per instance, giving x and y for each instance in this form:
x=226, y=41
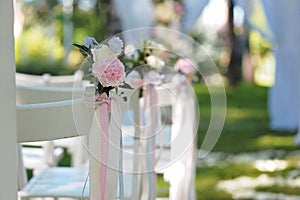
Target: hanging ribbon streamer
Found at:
x=151, y=79
x=150, y=101
x=121, y=181
x=103, y=103
x=103, y=109
x=152, y=141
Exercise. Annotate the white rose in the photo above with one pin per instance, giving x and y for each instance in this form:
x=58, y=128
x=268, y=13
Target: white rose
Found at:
x=103, y=53
x=116, y=45
x=155, y=62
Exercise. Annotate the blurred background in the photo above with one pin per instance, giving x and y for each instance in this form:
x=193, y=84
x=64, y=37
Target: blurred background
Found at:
x=254, y=45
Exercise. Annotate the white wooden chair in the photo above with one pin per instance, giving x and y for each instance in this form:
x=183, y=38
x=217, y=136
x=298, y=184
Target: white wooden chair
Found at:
x=46, y=121
x=176, y=147
x=183, y=146
x=54, y=120
x=47, y=88
x=51, y=151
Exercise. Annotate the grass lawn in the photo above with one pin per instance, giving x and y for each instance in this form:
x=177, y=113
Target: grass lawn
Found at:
x=246, y=131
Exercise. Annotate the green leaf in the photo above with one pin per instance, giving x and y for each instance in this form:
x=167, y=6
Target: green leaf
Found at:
x=84, y=48
x=126, y=86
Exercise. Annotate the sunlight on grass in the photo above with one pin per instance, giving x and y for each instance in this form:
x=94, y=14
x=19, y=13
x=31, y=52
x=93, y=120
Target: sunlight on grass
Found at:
x=270, y=165
x=238, y=114
x=246, y=130
x=269, y=141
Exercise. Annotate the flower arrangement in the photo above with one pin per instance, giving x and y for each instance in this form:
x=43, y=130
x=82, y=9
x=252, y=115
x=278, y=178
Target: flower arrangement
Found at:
x=150, y=57
x=148, y=54
x=145, y=63
x=105, y=70
x=185, y=67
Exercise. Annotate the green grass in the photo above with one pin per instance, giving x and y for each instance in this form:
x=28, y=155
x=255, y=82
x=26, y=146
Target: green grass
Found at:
x=246, y=126
x=246, y=129
x=278, y=189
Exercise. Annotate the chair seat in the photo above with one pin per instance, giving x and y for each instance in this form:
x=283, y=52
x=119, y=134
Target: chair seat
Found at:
x=64, y=182
x=57, y=182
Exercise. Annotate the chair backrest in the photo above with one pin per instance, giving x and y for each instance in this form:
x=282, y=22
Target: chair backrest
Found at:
x=49, y=80
x=32, y=93
x=50, y=121
x=47, y=88
x=27, y=94
x=55, y=120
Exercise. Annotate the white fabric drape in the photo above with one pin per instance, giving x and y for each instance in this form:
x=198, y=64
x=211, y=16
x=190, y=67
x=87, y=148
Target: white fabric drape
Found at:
x=250, y=7
x=135, y=14
x=193, y=9
x=140, y=13
x=283, y=19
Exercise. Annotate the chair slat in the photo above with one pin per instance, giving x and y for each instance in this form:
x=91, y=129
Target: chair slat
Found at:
x=50, y=121
x=28, y=94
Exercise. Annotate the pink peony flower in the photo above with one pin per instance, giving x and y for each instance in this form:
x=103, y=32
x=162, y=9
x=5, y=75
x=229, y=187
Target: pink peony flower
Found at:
x=109, y=72
x=185, y=66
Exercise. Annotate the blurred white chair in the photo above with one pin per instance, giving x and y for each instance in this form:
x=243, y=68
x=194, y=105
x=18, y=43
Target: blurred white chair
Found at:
x=182, y=169
x=54, y=120
x=175, y=140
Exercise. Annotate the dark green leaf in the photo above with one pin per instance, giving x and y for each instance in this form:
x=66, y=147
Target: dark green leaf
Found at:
x=126, y=86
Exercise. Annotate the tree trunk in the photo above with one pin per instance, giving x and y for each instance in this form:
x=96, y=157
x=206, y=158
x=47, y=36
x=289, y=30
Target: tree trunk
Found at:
x=236, y=48
x=113, y=23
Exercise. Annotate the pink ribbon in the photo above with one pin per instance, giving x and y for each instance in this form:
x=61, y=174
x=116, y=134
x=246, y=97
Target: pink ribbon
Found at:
x=104, y=107
x=104, y=104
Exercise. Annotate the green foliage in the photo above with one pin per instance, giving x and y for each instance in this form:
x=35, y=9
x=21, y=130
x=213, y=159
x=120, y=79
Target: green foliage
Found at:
x=258, y=44
x=40, y=46
x=92, y=23
x=39, y=68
